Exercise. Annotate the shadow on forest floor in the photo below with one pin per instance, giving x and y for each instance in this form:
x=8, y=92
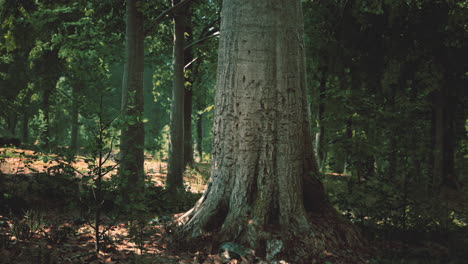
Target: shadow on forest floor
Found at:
x=45, y=218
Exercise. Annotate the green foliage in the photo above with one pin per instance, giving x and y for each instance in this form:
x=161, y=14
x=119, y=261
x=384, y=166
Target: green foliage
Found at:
x=58, y=54
x=387, y=205
x=25, y=226
x=387, y=95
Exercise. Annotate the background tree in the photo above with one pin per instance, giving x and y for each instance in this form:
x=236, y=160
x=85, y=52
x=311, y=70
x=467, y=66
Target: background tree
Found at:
x=188, y=83
x=176, y=163
x=382, y=73
x=132, y=139
x=203, y=68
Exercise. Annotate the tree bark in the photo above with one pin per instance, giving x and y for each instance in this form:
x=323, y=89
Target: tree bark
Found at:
x=176, y=144
x=263, y=184
x=132, y=138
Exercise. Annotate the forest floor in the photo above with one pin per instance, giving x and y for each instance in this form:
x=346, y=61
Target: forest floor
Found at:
x=29, y=163
x=41, y=222
x=37, y=226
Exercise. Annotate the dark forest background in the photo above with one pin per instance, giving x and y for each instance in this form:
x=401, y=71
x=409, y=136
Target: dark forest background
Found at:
x=387, y=83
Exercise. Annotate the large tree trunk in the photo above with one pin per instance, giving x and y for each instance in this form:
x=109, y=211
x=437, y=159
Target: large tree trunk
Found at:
x=176, y=144
x=132, y=139
x=189, y=80
x=262, y=185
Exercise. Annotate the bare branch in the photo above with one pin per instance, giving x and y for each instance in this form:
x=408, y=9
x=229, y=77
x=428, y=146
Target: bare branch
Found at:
x=201, y=40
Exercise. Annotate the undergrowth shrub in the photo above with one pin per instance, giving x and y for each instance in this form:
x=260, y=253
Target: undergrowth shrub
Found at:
x=391, y=205
x=27, y=225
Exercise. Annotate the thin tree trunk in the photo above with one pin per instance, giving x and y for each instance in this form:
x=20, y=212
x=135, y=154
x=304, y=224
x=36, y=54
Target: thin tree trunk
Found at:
x=189, y=80
x=188, y=148
x=393, y=158
x=132, y=138
x=320, y=135
x=443, y=172
x=25, y=118
x=46, y=109
x=200, y=136
x=438, y=148
x=25, y=127
x=124, y=95
x=176, y=144
x=74, y=119
x=12, y=122
x=348, y=162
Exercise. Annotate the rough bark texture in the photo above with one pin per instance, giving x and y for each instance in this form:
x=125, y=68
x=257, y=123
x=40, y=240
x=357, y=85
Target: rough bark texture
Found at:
x=132, y=138
x=176, y=142
x=262, y=187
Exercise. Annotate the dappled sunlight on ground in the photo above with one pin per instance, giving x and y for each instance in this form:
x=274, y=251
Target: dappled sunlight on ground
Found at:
x=27, y=162
x=42, y=216
x=42, y=228
x=77, y=244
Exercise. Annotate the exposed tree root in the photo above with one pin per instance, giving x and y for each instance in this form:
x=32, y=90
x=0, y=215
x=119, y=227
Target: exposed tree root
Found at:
x=325, y=236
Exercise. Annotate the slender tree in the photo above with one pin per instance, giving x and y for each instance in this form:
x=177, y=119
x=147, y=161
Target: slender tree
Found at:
x=320, y=135
x=74, y=117
x=46, y=109
x=176, y=144
x=189, y=80
x=132, y=137
x=263, y=182
x=200, y=136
